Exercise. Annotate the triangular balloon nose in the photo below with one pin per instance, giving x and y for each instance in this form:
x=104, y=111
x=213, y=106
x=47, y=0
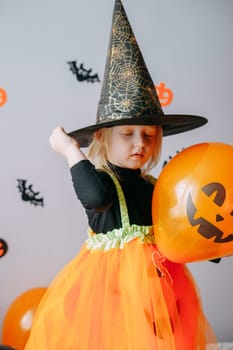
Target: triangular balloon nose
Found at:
x=128, y=90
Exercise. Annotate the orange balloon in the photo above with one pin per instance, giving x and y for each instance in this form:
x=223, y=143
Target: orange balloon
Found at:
x=192, y=204
x=18, y=319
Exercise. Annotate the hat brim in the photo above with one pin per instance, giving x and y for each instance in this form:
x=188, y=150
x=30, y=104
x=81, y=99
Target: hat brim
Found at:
x=171, y=124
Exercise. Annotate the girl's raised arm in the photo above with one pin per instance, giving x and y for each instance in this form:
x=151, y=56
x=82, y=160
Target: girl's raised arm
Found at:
x=66, y=145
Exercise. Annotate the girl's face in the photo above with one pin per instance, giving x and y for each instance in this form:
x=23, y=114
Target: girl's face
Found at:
x=131, y=146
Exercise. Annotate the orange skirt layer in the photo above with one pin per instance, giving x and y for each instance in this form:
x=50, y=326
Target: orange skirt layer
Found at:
x=121, y=299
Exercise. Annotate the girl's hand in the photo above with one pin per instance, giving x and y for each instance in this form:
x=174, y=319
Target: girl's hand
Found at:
x=66, y=146
x=61, y=142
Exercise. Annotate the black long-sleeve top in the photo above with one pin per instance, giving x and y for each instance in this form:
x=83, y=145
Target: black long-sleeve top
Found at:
x=98, y=195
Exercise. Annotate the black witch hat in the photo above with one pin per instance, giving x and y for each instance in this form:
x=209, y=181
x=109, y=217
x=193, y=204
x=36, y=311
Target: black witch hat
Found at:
x=128, y=93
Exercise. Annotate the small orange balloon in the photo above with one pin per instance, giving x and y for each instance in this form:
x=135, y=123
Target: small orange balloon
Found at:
x=192, y=205
x=18, y=319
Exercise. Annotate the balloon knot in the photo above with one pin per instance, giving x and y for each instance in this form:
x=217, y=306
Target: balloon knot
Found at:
x=158, y=261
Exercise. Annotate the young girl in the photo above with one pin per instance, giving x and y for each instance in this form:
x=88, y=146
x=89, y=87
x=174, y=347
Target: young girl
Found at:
x=119, y=292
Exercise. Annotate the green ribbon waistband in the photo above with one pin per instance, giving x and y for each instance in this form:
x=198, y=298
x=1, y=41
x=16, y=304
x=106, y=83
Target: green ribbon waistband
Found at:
x=117, y=238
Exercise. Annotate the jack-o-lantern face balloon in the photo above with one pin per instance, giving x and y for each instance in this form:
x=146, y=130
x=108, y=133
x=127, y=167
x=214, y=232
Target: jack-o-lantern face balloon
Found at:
x=192, y=205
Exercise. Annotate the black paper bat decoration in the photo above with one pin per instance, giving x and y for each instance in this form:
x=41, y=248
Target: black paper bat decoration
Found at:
x=169, y=158
x=27, y=193
x=83, y=74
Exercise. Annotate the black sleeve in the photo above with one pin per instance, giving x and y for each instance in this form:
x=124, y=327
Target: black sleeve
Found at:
x=93, y=188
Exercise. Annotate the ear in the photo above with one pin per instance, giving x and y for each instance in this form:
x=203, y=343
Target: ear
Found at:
x=98, y=135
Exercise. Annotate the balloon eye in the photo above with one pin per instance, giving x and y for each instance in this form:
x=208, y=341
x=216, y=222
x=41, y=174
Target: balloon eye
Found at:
x=231, y=213
x=219, y=218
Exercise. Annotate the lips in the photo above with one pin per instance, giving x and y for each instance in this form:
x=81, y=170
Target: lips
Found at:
x=137, y=155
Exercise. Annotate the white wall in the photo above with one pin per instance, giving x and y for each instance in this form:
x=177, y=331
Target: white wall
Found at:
x=187, y=44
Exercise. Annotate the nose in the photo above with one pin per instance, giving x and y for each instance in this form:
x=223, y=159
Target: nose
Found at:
x=139, y=140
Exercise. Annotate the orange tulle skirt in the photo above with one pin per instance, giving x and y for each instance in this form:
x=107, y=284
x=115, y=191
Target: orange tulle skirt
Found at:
x=121, y=299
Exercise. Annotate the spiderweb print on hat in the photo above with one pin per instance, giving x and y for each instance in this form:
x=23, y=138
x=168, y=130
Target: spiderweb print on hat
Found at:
x=128, y=88
x=128, y=94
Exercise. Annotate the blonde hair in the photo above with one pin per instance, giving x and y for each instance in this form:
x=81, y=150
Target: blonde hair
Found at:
x=98, y=149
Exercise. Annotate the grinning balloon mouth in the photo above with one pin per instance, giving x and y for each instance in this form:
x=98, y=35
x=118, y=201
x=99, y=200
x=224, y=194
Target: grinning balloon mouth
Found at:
x=206, y=228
